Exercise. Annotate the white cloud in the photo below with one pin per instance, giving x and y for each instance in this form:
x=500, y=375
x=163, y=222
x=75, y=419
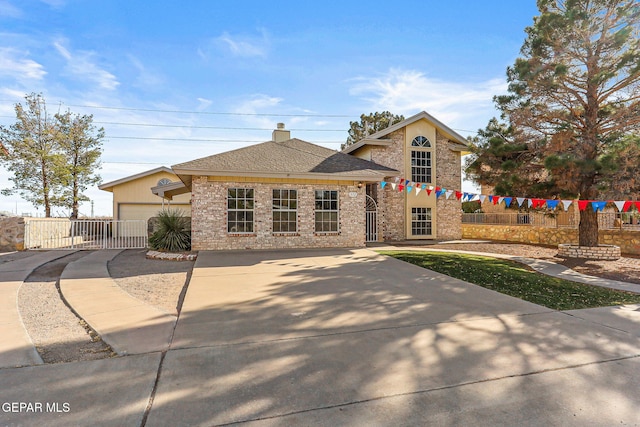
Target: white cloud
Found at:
x=14, y=63
x=245, y=46
x=146, y=78
x=204, y=103
x=9, y=10
x=82, y=63
x=409, y=91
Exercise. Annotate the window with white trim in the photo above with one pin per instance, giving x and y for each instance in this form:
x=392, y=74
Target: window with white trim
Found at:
x=421, y=222
x=327, y=211
x=421, y=160
x=285, y=211
x=240, y=204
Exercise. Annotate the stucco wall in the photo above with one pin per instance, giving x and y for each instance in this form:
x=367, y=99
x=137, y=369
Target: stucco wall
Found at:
x=449, y=176
x=209, y=217
x=629, y=241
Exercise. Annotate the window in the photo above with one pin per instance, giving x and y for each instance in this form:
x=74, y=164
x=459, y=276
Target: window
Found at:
x=240, y=204
x=285, y=211
x=421, y=141
x=421, y=160
x=421, y=166
x=421, y=222
x=326, y=211
x=164, y=181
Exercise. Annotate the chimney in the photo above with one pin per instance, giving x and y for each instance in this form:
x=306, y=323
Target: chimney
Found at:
x=280, y=134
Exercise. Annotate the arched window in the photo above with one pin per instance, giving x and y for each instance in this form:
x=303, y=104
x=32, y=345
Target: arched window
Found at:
x=421, y=141
x=421, y=160
x=164, y=181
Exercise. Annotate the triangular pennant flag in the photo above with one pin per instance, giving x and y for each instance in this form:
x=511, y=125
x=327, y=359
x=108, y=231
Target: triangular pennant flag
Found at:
x=566, y=204
x=551, y=204
x=429, y=190
x=538, y=203
x=500, y=199
x=619, y=205
x=406, y=182
x=582, y=204
x=637, y=205
x=418, y=190
x=491, y=198
x=520, y=201
x=409, y=189
x=598, y=206
x=396, y=179
x=458, y=195
x=393, y=185
x=439, y=192
x=529, y=203
x=448, y=194
x=383, y=184
x=507, y=201
x=627, y=205
x=423, y=186
x=482, y=198
x=400, y=188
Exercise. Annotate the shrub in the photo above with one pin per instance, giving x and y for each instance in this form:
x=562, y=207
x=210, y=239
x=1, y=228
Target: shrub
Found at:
x=173, y=233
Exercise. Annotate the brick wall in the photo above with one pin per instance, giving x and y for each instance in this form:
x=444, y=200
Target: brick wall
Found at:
x=209, y=217
x=449, y=176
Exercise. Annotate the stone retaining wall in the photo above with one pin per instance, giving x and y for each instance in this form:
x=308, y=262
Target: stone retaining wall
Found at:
x=629, y=241
x=11, y=234
x=601, y=252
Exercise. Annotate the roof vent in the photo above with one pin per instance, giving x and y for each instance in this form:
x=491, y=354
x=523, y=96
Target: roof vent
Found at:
x=280, y=134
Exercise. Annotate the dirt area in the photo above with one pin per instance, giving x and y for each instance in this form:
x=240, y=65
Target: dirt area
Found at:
x=58, y=334
x=156, y=282
x=626, y=269
x=61, y=336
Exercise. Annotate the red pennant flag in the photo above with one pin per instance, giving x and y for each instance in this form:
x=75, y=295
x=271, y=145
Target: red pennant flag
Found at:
x=538, y=203
x=429, y=190
x=582, y=204
x=637, y=204
x=626, y=206
x=458, y=195
x=400, y=188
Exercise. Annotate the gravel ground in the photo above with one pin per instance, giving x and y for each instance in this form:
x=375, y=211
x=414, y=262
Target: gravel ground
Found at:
x=156, y=282
x=625, y=269
x=58, y=334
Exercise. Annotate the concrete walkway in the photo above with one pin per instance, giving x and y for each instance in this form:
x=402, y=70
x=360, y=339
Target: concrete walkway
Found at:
x=541, y=266
x=16, y=347
x=127, y=324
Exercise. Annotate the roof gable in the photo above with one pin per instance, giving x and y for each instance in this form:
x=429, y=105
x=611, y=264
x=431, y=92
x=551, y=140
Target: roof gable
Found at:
x=368, y=140
x=108, y=186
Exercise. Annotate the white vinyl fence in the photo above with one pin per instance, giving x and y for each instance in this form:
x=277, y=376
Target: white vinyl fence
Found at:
x=62, y=233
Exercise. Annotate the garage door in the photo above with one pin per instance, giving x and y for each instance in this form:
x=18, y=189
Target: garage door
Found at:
x=146, y=211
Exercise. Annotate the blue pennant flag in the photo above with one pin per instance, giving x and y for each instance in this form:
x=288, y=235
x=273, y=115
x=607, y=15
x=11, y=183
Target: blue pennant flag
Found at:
x=598, y=206
x=551, y=204
x=383, y=183
x=407, y=182
x=409, y=188
x=507, y=201
x=440, y=192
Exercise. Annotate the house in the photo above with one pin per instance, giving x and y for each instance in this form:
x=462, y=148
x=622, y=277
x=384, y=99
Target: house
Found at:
x=133, y=200
x=425, y=151
x=289, y=193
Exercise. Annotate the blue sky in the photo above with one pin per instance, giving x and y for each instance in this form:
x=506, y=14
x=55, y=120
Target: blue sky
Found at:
x=173, y=81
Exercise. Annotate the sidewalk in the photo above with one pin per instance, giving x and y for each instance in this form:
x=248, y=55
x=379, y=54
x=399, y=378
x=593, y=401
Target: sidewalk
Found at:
x=541, y=266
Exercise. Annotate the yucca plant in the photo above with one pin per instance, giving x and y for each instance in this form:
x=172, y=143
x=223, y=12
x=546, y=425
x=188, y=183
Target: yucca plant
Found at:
x=173, y=233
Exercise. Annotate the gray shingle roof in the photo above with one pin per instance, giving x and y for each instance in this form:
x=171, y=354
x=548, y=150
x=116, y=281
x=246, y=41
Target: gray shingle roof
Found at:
x=291, y=157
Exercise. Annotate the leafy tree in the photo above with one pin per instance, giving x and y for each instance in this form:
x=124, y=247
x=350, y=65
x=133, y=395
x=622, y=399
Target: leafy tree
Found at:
x=370, y=124
x=81, y=145
x=32, y=154
x=572, y=112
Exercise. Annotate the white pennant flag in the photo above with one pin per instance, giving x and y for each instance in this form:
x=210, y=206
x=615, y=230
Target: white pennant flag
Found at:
x=397, y=179
x=500, y=199
x=393, y=185
x=619, y=204
x=529, y=203
x=566, y=204
x=520, y=201
x=418, y=189
x=482, y=197
x=448, y=193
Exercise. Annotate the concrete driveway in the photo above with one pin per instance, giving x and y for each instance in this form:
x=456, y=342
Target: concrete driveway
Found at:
x=349, y=337
x=343, y=337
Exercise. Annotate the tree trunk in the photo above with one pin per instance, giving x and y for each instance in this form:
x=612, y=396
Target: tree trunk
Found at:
x=588, y=229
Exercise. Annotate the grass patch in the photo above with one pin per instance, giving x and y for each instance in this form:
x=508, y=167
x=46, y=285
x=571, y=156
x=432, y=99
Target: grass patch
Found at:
x=516, y=280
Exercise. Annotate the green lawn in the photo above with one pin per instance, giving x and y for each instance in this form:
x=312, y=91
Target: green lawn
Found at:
x=514, y=279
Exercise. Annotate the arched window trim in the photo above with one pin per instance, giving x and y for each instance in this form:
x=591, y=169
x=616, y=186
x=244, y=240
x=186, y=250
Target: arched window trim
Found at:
x=421, y=141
